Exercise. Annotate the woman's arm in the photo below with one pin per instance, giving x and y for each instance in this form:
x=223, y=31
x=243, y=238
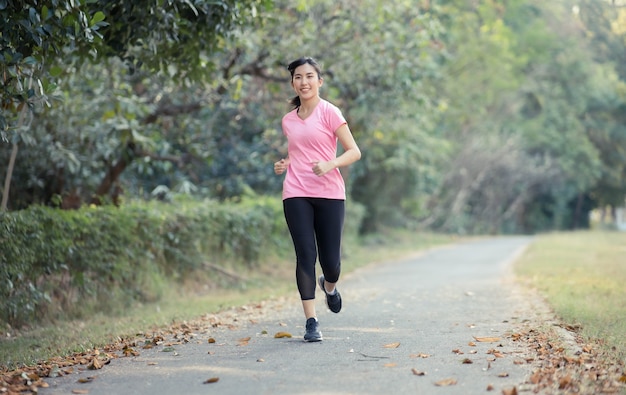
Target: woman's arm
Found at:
x=351, y=153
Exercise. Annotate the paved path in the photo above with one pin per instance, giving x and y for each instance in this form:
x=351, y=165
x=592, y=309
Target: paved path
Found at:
x=433, y=305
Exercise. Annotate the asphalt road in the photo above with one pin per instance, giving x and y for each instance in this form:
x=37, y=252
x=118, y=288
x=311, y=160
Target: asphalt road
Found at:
x=421, y=314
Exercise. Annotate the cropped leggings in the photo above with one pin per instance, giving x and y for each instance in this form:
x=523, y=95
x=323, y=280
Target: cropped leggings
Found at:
x=316, y=226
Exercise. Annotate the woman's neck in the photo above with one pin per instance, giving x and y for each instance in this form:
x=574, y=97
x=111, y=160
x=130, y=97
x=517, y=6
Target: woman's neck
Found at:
x=306, y=107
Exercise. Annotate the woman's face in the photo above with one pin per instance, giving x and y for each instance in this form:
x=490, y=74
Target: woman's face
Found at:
x=306, y=82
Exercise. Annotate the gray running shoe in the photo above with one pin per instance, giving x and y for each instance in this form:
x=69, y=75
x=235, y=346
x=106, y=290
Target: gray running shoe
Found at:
x=313, y=333
x=332, y=301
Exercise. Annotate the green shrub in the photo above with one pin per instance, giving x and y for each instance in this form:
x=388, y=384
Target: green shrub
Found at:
x=63, y=264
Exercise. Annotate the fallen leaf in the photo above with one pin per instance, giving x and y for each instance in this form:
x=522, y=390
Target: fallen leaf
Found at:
x=487, y=339
x=390, y=365
x=418, y=372
x=129, y=351
x=211, y=340
x=211, y=380
x=392, y=345
x=152, y=363
x=457, y=351
x=260, y=360
x=280, y=335
x=95, y=364
x=503, y=374
x=420, y=355
x=85, y=380
x=565, y=382
x=509, y=391
x=467, y=361
x=622, y=379
x=80, y=391
x=490, y=387
x=471, y=344
x=445, y=382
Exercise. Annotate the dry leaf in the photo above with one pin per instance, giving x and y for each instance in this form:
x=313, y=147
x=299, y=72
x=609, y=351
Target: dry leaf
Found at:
x=129, y=351
x=490, y=387
x=420, y=355
x=509, y=391
x=390, y=365
x=471, y=344
x=503, y=374
x=95, y=364
x=260, y=360
x=80, y=391
x=85, y=380
x=280, y=335
x=446, y=382
x=418, y=372
x=564, y=382
x=211, y=380
x=211, y=340
x=487, y=339
x=457, y=351
x=392, y=345
x=467, y=361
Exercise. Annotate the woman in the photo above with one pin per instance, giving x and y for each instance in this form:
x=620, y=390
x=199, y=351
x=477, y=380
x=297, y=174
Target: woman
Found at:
x=313, y=190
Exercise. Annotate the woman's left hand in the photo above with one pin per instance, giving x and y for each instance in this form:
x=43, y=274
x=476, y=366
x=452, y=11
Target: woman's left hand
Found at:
x=320, y=168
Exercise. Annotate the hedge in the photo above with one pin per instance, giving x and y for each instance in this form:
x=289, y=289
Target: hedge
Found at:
x=57, y=263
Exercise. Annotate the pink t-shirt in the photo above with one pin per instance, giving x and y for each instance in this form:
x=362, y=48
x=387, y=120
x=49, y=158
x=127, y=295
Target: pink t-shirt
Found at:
x=310, y=140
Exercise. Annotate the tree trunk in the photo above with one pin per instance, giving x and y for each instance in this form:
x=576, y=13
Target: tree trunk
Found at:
x=11, y=166
x=7, y=179
x=110, y=178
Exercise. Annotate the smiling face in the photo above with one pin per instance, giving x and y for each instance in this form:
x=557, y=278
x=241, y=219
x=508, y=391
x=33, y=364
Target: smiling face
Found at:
x=306, y=82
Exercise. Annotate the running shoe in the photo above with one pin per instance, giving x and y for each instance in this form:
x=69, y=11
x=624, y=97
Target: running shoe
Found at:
x=332, y=301
x=313, y=333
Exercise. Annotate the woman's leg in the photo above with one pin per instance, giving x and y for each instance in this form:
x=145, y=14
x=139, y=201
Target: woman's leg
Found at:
x=328, y=223
x=300, y=221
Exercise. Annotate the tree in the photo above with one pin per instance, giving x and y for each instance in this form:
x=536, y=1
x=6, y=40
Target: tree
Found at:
x=33, y=33
x=169, y=36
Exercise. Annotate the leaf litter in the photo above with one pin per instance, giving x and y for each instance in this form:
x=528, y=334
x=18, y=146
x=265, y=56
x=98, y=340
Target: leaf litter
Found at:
x=554, y=369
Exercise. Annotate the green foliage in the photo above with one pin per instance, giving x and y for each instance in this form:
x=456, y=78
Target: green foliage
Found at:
x=33, y=33
x=58, y=263
x=63, y=264
x=475, y=117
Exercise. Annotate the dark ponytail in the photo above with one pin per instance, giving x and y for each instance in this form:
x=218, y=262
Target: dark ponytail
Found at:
x=295, y=101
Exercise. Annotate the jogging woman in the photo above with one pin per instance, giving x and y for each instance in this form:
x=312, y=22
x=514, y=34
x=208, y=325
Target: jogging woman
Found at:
x=313, y=189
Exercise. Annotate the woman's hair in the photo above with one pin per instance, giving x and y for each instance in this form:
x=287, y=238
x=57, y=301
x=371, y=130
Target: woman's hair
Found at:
x=295, y=102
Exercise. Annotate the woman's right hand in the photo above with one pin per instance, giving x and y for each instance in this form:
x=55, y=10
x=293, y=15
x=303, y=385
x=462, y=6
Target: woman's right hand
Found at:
x=280, y=166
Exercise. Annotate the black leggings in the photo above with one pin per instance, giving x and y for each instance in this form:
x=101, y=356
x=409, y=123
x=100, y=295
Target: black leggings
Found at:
x=312, y=220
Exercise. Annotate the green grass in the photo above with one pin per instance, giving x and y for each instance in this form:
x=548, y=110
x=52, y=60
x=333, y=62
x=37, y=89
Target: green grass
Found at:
x=582, y=275
x=273, y=278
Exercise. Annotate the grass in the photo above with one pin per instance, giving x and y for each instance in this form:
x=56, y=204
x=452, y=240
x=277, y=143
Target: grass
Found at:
x=582, y=275
x=273, y=278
